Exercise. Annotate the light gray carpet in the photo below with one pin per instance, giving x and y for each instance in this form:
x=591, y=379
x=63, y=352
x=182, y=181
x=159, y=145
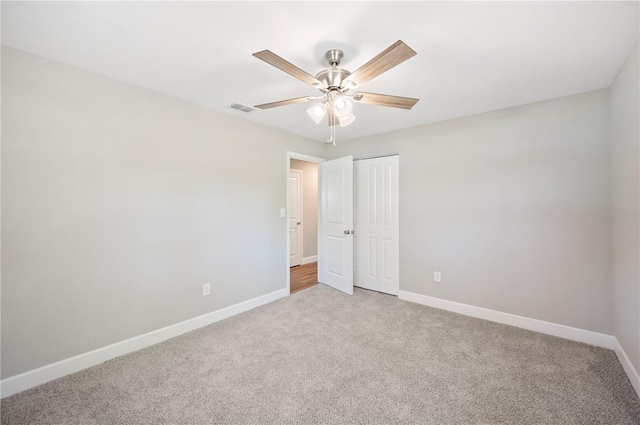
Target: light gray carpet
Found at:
x=320, y=356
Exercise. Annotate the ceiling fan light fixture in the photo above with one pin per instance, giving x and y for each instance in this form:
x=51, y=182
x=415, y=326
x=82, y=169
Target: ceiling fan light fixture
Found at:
x=346, y=120
x=317, y=112
x=342, y=107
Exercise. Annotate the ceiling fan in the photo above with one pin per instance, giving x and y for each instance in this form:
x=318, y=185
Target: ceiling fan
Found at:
x=334, y=83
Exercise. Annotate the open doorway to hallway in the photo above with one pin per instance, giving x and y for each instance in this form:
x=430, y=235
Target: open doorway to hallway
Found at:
x=303, y=224
x=303, y=277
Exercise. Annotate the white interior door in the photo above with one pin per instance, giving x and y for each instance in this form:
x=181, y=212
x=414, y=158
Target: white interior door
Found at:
x=378, y=224
x=295, y=217
x=336, y=224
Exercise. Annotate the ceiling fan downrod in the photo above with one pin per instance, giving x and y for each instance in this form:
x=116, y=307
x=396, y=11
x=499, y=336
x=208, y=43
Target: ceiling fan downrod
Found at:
x=334, y=56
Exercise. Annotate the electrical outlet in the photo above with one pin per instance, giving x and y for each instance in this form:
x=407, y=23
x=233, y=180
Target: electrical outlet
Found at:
x=437, y=277
x=206, y=289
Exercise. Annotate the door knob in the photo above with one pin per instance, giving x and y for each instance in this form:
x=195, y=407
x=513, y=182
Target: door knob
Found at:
x=299, y=223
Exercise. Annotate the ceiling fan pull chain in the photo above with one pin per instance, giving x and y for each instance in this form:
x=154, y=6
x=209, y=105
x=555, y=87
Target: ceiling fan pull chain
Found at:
x=333, y=129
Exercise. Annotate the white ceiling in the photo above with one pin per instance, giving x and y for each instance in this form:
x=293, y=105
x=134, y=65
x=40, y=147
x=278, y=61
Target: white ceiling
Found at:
x=472, y=57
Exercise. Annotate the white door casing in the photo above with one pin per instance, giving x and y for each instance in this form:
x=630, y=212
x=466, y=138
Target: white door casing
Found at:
x=295, y=217
x=335, y=262
x=377, y=224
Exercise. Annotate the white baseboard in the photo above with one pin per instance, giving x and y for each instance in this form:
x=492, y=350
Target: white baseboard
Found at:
x=631, y=371
x=307, y=260
x=41, y=375
x=549, y=328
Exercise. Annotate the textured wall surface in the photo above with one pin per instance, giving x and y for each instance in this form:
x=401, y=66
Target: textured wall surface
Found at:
x=509, y=207
x=625, y=206
x=118, y=203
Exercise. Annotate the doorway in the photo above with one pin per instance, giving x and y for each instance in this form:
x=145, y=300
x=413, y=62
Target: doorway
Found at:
x=302, y=221
x=357, y=236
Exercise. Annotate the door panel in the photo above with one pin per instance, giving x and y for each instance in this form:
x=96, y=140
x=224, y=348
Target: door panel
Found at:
x=335, y=256
x=336, y=238
x=372, y=199
x=373, y=257
x=387, y=205
x=295, y=217
x=388, y=259
x=335, y=196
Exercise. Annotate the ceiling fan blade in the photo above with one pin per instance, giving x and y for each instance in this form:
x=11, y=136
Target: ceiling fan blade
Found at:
x=275, y=60
x=394, y=55
x=385, y=100
x=286, y=102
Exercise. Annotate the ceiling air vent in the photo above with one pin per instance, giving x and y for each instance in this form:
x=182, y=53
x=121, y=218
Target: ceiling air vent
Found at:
x=241, y=107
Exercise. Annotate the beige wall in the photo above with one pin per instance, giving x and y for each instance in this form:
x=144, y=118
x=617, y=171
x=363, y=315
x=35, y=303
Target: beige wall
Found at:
x=625, y=205
x=118, y=203
x=309, y=206
x=509, y=206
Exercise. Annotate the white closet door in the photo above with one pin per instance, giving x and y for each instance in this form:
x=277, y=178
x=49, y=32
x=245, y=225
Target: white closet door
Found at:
x=336, y=236
x=378, y=225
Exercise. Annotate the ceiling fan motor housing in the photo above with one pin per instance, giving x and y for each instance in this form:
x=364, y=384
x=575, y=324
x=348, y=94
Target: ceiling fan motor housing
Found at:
x=333, y=78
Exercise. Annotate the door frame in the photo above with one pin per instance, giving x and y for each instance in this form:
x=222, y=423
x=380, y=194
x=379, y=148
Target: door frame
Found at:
x=301, y=215
x=301, y=157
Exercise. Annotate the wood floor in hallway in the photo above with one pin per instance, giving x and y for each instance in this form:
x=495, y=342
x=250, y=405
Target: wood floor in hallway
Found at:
x=303, y=277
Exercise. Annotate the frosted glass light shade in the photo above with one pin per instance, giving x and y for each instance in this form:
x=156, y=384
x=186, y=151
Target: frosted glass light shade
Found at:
x=317, y=112
x=346, y=120
x=342, y=107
